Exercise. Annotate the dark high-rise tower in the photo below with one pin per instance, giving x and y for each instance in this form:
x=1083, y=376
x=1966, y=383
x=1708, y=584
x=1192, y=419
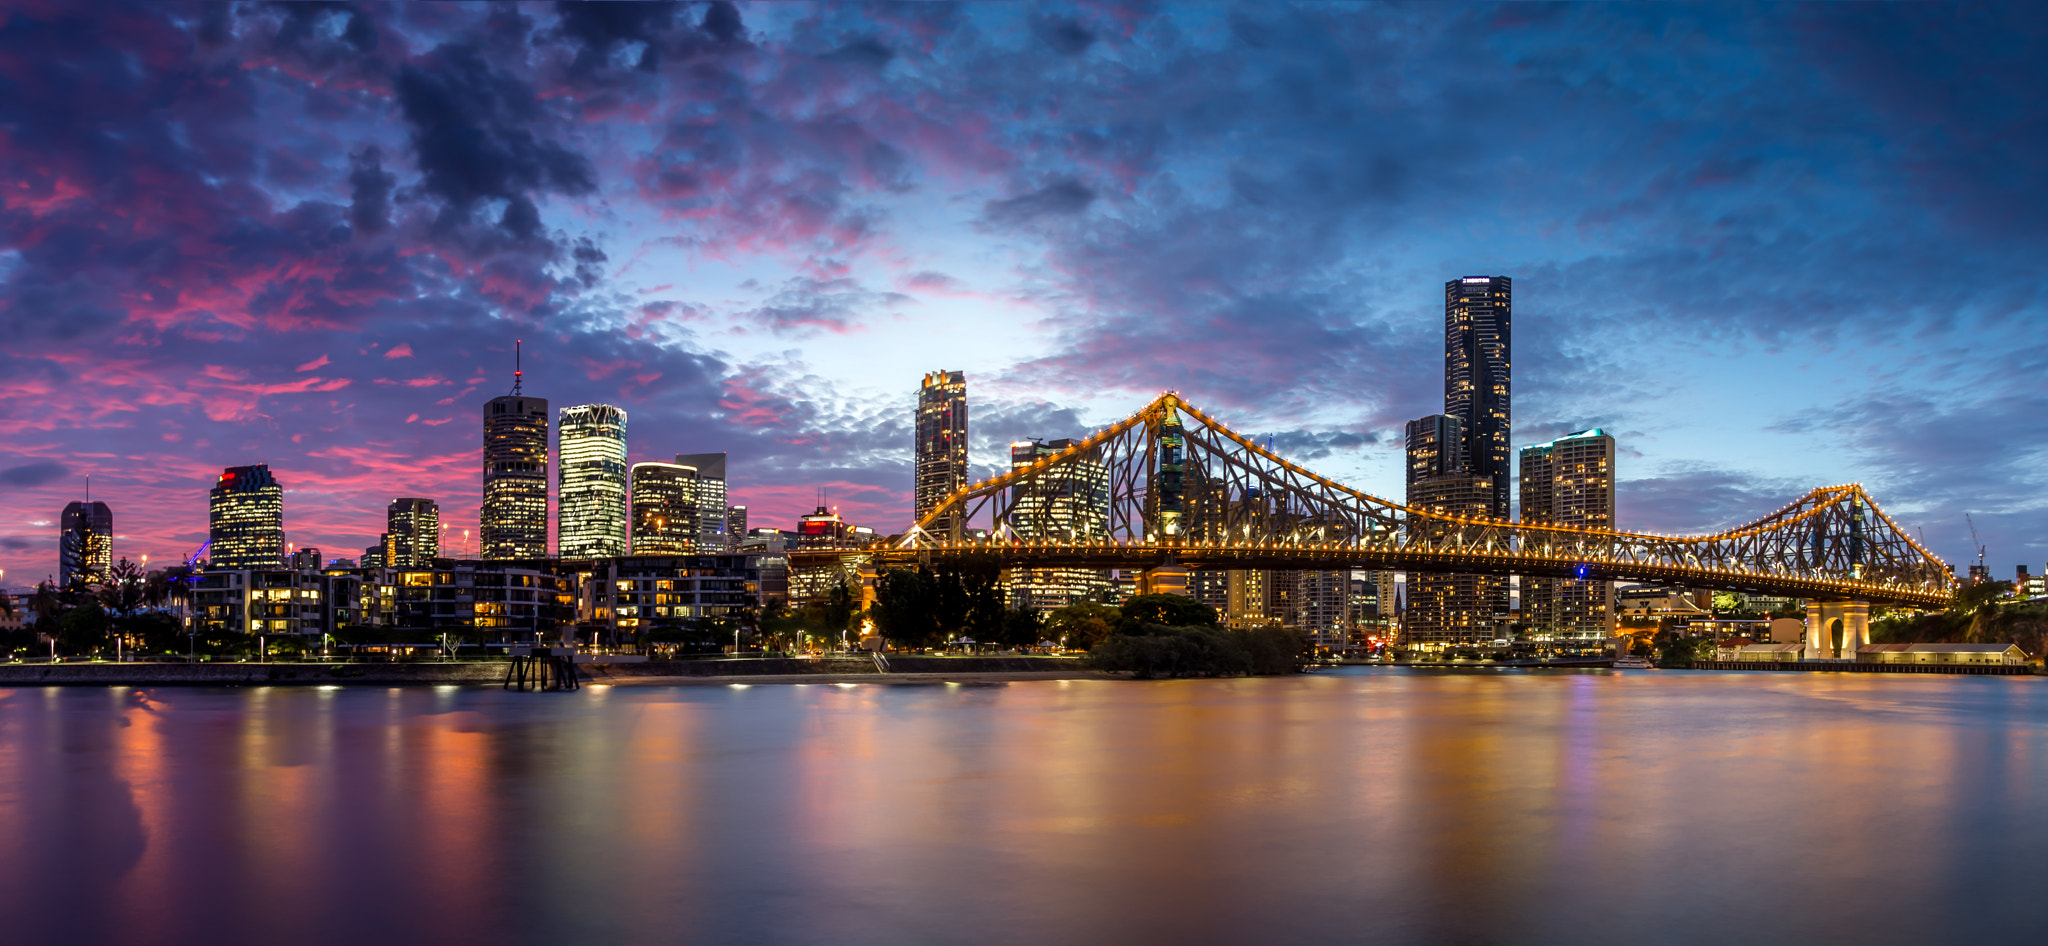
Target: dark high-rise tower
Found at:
x=712, y=536
x=1478, y=311
x=245, y=519
x=86, y=544
x=941, y=444
x=514, y=515
x=1436, y=447
x=412, y=537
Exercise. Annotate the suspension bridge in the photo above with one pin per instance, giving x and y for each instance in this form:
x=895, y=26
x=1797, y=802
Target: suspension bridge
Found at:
x=1170, y=488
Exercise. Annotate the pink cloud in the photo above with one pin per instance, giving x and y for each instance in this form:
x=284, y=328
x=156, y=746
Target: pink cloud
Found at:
x=403, y=350
x=315, y=363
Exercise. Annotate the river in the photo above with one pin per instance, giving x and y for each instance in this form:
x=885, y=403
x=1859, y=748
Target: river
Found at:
x=1366, y=805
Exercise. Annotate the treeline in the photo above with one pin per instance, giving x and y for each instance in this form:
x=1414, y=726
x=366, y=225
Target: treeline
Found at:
x=931, y=605
x=85, y=616
x=1978, y=614
x=1168, y=635
x=1149, y=635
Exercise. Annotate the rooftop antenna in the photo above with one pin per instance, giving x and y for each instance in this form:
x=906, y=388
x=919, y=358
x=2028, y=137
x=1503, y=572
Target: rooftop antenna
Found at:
x=518, y=345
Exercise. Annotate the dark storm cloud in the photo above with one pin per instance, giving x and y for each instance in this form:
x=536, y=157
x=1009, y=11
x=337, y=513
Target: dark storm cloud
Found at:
x=601, y=29
x=369, y=190
x=865, y=51
x=34, y=474
x=478, y=135
x=1063, y=198
x=722, y=23
x=1064, y=34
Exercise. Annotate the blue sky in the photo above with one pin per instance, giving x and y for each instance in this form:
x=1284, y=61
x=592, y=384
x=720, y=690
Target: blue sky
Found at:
x=1768, y=247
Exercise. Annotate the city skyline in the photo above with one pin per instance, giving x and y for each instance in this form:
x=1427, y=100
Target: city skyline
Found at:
x=1834, y=301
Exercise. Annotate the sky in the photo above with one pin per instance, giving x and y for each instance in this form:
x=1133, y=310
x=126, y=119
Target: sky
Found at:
x=1767, y=247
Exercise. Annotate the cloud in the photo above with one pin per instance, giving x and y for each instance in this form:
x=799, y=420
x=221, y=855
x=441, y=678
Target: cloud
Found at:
x=34, y=474
x=1063, y=198
x=805, y=305
x=400, y=350
x=479, y=137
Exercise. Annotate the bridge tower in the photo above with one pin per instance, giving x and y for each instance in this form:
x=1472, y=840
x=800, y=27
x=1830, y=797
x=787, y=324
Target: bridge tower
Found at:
x=1830, y=622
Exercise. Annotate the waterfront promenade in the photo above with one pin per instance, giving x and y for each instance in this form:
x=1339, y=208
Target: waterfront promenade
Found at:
x=903, y=668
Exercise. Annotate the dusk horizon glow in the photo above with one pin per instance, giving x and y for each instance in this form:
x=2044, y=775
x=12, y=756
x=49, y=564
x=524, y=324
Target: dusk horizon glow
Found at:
x=1768, y=249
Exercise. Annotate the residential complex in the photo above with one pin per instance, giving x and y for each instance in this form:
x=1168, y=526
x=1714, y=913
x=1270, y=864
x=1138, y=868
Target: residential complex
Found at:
x=1569, y=482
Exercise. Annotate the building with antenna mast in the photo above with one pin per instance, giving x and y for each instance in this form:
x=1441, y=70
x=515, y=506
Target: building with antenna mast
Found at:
x=85, y=546
x=513, y=520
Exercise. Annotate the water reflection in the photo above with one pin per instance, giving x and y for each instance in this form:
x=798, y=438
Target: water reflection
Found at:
x=1380, y=805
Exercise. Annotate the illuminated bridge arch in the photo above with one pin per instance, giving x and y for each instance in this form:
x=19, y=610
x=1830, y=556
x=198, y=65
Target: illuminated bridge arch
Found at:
x=1173, y=486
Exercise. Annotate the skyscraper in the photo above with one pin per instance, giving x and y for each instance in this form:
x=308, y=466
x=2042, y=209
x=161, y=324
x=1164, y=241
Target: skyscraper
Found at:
x=941, y=468
x=1478, y=313
x=664, y=508
x=513, y=520
x=1066, y=503
x=592, y=482
x=412, y=533
x=245, y=519
x=1436, y=447
x=735, y=526
x=85, y=542
x=711, y=532
x=1569, y=482
x=1446, y=608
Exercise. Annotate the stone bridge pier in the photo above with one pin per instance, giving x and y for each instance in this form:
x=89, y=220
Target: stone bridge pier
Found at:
x=1834, y=629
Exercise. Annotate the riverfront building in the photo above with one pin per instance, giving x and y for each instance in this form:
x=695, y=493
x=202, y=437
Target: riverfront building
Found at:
x=941, y=460
x=513, y=520
x=274, y=601
x=1569, y=482
x=85, y=541
x=1451, y=609
x=245, y=519
x=412, y=536
x=1067, y=503
x=713, y=533
x=592, y=482
x=664, y=508
x=1478, y=313
x=627, y=597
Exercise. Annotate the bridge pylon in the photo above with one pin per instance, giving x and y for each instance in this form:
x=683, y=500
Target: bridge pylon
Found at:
x=1835, y=629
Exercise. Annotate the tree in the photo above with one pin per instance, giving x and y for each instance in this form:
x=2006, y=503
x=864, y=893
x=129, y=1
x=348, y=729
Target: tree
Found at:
x=82, y=629
x=906, y=607
x=1019, y=628
x=121, y=589
x=1082, y=625
x=1170, y=610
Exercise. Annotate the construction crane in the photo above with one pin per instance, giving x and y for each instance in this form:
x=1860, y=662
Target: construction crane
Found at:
x=1979, y=573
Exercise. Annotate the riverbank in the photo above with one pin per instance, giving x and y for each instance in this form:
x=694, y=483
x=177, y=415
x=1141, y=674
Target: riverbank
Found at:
x=905, y=669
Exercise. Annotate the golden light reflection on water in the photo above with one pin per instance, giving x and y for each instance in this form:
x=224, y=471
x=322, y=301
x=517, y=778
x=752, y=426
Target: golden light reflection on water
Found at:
x=1414, y=807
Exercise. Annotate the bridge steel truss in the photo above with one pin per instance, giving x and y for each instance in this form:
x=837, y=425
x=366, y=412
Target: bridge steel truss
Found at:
x=1183, y=489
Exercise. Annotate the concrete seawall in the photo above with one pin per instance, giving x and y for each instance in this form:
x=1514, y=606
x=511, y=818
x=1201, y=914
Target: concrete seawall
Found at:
x=493, y=672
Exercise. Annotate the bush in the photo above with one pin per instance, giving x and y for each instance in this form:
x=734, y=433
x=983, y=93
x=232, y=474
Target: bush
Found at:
x=1197, y=651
